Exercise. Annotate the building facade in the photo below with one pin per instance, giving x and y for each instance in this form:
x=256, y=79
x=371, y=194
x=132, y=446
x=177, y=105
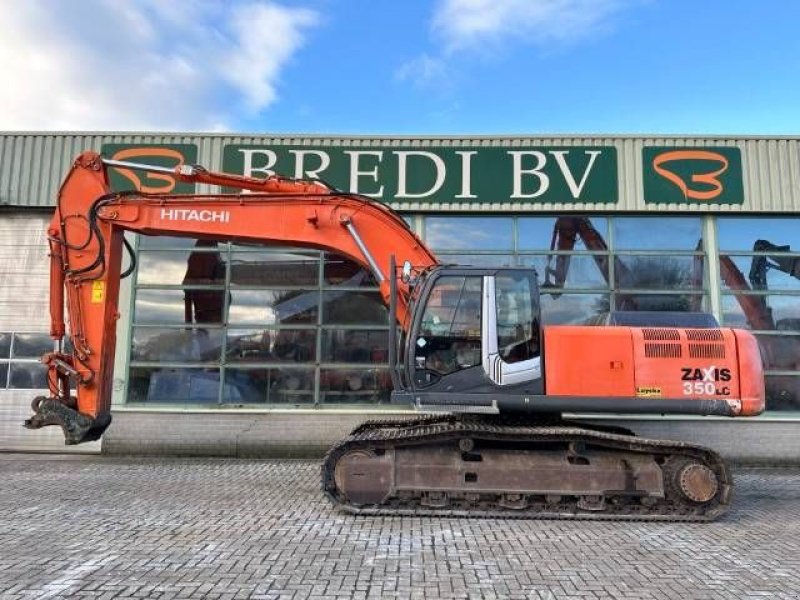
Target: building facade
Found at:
x=299, y=336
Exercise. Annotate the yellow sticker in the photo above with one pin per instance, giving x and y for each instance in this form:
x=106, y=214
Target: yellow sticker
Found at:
x=98, y=292
x=648, y=392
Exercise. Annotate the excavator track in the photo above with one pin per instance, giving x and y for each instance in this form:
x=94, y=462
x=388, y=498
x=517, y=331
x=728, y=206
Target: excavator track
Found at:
x=487, y=466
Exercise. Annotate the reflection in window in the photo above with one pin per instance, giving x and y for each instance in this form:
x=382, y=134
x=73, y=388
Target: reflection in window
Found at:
x=659, y=302
x=658, y=233
x=3, y=374
x=274, y=269
x=271, y=345
x=32, y=345
x=581, y=271
x=178, y=345
x=270, y=307
x=173, y=385
x=761, y=312
x=572, y=309
x=354, y=308
x=27, y=375
x=517, y=318
x=783, y=392
x=277, y=385
x=659, y=272
x=200, y=266
x=761, y=272
x=469, y=233
x=355, y=346
x=354, y=386
x=5, y=345
x=586, y=233
x=741, y=233
x=340, y=271
x=479, y=260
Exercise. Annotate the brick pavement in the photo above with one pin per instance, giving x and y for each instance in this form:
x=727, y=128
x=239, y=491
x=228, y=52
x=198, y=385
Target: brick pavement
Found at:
x=99, y=527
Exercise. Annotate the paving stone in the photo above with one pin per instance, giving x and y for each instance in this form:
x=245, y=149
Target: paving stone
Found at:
x=125, y=528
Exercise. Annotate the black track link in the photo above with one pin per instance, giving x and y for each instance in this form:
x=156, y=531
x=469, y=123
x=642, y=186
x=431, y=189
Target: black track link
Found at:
x=384, y=434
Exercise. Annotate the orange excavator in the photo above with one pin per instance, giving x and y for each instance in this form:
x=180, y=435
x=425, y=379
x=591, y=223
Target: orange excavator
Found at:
x=472, y=353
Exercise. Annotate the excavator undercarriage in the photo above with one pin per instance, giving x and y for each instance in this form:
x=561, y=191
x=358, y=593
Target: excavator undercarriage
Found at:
x=491, y=466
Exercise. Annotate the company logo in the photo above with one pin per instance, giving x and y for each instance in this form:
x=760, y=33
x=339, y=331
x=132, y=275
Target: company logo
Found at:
x=166, y=155
x=689, y=175
x=202, y=216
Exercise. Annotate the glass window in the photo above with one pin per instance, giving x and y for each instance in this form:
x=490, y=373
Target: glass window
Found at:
x=271, y=345
x=32, y=345
x=586, y=233
x=658, y=233
x=368, y=346
x=450, y=333
x=340, y=271
x=3, y=374
x=177, y=345
x=157, y=242
x=573, y=309
x=274, y=385
x=517, y=318
x=202, y=266
x=741, y=233
x=354, y=386
x=780, y=352
x=270, y=307
x=783, y=392
x=659, y=302
x=5, y=345
x=28, y=375
x=760, y=272
x=490, y=261
x=658, y=272
x=354, y=308
x=154, y=306
x=274, y=269
x=469, y=233
x=579, y=271
x=765, y=312
x=169, y=385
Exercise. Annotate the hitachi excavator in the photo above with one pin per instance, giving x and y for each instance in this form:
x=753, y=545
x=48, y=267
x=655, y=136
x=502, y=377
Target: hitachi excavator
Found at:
x=471, y=353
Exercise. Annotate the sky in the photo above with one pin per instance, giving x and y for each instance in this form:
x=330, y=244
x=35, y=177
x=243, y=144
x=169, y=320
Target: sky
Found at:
x=436, y=67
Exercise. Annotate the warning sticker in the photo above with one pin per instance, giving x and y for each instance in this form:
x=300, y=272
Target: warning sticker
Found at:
x=98, y=292
x=648, y=392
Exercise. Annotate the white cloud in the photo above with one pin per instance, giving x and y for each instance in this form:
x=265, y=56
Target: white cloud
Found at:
x=423, y=70
x=472, y=24
x=103, y=64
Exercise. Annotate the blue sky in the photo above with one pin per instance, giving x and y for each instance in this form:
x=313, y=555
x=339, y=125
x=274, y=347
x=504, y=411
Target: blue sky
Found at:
x=394, y=67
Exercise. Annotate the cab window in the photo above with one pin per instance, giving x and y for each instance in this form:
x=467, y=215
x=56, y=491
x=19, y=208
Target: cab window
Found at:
x=517, y=317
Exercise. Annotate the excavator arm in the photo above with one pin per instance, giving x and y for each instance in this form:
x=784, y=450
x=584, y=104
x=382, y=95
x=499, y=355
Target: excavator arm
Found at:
x=86, y=238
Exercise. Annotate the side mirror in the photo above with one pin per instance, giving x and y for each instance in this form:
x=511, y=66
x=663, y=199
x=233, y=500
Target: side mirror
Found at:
x=405, y=276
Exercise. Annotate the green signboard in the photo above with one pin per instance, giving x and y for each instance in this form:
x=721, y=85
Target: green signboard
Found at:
x=692, y=175
x=161, y=155
x=536, y=174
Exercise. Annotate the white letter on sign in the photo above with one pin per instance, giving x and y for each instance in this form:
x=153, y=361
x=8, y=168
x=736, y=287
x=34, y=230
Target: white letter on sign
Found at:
x=575, y=188
x=355, y=171
x=300, y=171
x=536, y=171
x=402, y=157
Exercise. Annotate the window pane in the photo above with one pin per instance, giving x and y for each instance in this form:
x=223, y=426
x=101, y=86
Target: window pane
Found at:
x=354, y=308
x=752, y=311
x=657, y=233
x=274, y=269
x=269, y=307
x=780, y=352
x=166, y=385
x=156, y=242
x=28, y=375
x=355, y=346
x=469, y=233
x=741, y=233
x=5, y=345
x=517, y=318
x=783, y=392
x=659, y=302
x=32, y=345
x=181, y=268
x=271, y=345
x=536, y=233
x=342, y=271
x=581, y=271
x=659, y=272
x=575, y=309
x=178, y=306
x=178, y=345
x=748, y=272
x=3, y=374
x=490, y=261
x=354, y=385
x=269, y=386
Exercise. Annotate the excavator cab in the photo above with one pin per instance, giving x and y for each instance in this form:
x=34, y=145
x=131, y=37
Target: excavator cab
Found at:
x=475, y=332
